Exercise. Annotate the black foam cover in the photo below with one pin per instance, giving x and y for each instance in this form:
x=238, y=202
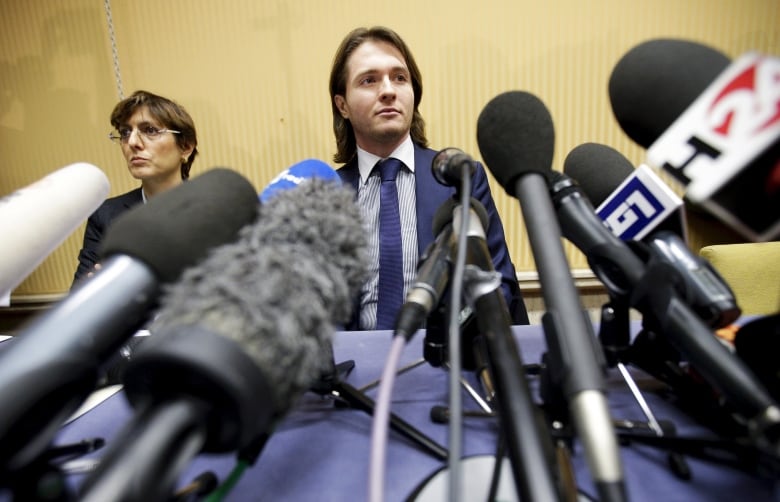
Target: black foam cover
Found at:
x=598, y=169
x=174, y=230
x=654, y=82
x=516, y=136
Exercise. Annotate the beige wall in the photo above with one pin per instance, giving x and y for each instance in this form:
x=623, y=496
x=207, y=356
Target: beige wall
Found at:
x=254, y=76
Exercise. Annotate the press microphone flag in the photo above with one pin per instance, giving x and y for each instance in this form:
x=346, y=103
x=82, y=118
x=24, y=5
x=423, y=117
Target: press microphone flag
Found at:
x=724, y=145
x=733, y=121
x=34, y=220
x=632, y=202
x=638, y=205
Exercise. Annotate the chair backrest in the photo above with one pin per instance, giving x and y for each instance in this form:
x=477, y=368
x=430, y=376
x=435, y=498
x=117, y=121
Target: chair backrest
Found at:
x=753, y=272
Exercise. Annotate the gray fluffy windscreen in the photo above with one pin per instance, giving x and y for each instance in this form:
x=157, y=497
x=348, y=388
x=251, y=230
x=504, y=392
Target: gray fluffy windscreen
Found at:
x=280, y=290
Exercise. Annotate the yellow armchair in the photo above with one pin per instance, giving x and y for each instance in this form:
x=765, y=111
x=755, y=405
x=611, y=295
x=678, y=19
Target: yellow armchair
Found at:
x=753, y=272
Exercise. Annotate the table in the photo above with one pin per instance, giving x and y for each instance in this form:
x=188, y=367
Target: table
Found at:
x=320, y=452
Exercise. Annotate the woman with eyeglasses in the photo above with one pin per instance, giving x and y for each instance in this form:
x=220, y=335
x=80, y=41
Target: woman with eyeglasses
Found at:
x=158, y=140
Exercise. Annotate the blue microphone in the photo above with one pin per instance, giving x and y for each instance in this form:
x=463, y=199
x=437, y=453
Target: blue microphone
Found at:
x=297, y=174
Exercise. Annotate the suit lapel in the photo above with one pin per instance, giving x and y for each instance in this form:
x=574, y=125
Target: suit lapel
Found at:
x=430, y=195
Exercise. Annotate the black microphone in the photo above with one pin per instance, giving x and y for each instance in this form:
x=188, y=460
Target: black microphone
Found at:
x=702, y=287
x=297, y=173
x=633, y=202
x=447, y=166
x=651, y=288
x=604, y=174
x=516, y=138
x=53, y=364
x=709, y=122
x=430, y=286
x=237, y=340
x=433, y=276
x=654, y=82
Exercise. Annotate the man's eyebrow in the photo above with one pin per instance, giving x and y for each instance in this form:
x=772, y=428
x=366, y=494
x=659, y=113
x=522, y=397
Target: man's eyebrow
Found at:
x=370, y=71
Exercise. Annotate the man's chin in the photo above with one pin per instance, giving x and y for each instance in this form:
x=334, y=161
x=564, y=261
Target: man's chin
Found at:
x=393, y=134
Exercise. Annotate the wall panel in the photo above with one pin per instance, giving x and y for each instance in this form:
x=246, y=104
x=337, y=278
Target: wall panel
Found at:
x=254, y=76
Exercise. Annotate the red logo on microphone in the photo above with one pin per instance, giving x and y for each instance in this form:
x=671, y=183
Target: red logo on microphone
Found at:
x=749, y=103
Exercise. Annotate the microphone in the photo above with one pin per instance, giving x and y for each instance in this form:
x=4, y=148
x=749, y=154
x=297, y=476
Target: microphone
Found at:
x=297, y=174
x=53, y=364
x=238, y=339
x=632, y=202
x=637, y=209
x=516, y=137
x=34, y=220
x=710, y=122
x=651, y=288
x=433, y=273
x=447, y=166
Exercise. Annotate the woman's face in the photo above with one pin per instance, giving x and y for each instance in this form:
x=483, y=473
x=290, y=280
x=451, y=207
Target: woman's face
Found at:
x=151, y=158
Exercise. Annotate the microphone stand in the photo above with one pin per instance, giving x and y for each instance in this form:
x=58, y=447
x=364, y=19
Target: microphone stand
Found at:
x=42, y=480
x=615, y=341
x=528, y=448
x=733, y=447
x=331, y=383
x=666, y=313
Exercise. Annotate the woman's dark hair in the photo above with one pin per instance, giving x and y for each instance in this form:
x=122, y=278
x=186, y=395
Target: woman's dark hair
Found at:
x=168, y=113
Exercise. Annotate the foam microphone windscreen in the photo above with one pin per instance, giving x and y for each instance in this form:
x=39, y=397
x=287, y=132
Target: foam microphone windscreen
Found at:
x=34, y=220
x=516, y=136
x=278, y=291
x=598, y=169
x=655, y=81
x=168, y=245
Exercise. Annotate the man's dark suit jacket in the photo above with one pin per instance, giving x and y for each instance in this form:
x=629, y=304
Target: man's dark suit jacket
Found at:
x=97, y=224
x=430, y=195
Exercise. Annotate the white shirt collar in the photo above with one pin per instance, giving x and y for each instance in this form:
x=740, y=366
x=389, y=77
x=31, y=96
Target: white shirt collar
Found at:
x=404, y=152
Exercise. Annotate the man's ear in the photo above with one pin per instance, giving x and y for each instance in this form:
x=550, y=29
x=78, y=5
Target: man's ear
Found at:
x=341, y=104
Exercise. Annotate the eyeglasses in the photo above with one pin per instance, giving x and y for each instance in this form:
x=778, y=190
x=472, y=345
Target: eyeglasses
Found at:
x=147, y=132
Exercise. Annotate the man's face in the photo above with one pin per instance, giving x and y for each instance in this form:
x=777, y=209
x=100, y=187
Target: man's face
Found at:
x=379, y=98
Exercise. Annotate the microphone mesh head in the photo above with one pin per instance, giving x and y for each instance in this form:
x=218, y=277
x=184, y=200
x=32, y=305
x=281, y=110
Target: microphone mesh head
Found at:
x=515, y=134
x=654, y=82
x=598, y=169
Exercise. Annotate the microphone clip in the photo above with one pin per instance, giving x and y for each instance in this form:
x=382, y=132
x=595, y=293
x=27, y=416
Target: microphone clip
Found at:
x=478, y=283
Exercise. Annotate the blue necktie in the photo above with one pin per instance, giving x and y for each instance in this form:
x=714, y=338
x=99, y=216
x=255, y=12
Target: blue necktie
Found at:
x=391, y=271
